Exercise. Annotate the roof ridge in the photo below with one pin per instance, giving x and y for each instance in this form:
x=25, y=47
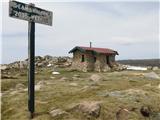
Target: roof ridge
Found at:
x=96, y=47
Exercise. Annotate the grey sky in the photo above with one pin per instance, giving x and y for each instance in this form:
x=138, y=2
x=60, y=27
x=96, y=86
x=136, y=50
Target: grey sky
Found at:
x=131, y=28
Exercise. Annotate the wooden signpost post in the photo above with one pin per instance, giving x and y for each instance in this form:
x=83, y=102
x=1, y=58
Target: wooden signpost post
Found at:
x=33, y=15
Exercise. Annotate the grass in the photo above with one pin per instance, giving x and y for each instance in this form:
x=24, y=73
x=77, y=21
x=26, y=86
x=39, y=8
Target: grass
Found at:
x=60, y=94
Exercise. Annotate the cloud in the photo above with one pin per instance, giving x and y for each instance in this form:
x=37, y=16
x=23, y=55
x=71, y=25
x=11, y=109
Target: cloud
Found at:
x=123, y=26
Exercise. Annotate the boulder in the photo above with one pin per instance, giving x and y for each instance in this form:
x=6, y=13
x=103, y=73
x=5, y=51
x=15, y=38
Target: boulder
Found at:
x=151, y=75
x=47, y=57
x=37, y=58
x=96, y=78
x=145, y=111
x=23, y=64
x=3, y=67
x=118, y=67
x=90, y=108
x=46, y=61
x=122, y=114
x=149, y=67
x=155, y=68
x=49, y=65
x=39, y=65
x=62, y=59
x=57, y=112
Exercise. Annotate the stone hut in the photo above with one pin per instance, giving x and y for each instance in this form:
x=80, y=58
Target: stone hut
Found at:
x=93, y=59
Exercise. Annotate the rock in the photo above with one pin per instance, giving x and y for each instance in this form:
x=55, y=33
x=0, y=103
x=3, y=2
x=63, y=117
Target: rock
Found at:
x=151, y=75
x=57, y=112
x=145, y=111
x=55, y=73
x=48, y=57
x=20, y=86
x=62, y=59
x=76, y=75
x=52, y=77
x=3, y=67
x=149, y=68
x=39, y=65
x=36, y=72
x=41, y=83
x=37, y=58
x=73, y=84
x=23, y=64
x=49, y=65
x=91, y=108
x=13, y=92
x=46, y=61
x=26, y=89
x=122, y=114
x=96, y=78
x=118, y=67
x=38, y=87
x=155, y=68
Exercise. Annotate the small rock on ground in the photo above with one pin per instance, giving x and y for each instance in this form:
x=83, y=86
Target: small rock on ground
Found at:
x=41, y=83
x=76, y=75
x=55, y=73
x=73, y=84
x=38, y=87
x=91, y=108
x=57, y=112
x=96, y=78
x=122, y=114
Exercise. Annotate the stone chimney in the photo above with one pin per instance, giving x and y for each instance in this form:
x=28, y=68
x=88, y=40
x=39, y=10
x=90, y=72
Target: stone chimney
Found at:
x=90, y=44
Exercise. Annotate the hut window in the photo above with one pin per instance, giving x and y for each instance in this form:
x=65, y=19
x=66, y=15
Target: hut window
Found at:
x=82, y=59
x=95, y=59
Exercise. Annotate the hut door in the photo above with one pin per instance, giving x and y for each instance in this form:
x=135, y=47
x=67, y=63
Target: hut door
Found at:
x=107, y=60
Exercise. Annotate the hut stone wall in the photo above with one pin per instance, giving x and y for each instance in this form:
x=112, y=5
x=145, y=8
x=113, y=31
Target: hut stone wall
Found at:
x=89, y=63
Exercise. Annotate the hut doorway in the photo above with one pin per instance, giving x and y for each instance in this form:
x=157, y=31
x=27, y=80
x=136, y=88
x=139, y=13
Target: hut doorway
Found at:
x=107, y=60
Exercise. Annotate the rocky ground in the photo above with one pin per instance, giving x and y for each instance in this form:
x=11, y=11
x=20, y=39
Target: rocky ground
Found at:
x=62, y=94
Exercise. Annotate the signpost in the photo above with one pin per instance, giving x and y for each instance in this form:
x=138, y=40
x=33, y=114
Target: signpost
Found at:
x=33, y=15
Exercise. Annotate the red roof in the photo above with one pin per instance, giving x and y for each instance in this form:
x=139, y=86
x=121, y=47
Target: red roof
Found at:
x=97, y=50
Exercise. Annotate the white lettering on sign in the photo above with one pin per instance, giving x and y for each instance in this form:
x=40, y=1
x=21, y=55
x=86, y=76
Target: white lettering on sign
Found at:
x=29, y=13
